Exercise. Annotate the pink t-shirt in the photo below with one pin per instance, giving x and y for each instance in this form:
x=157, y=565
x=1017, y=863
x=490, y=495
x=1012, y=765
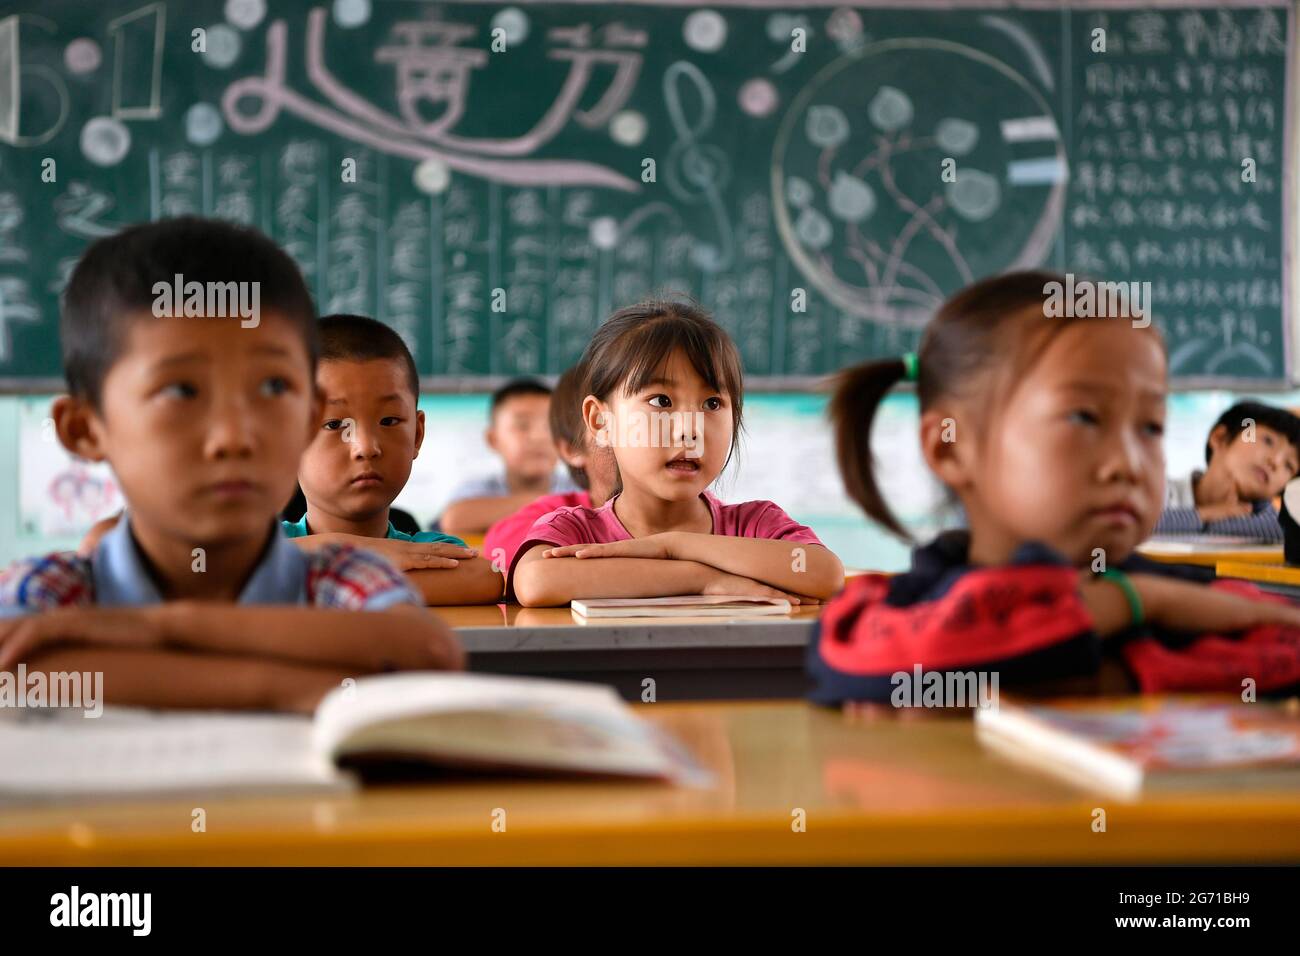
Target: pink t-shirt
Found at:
x=509, y=533
x=579, y=525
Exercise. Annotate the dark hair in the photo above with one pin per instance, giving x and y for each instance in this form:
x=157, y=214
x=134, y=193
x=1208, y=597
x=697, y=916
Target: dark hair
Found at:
x=961, y=352
x=358, y=338
x=515, y=388
x=1278, y=419
x=114, y=282
x=630, y=346
x=566, y=417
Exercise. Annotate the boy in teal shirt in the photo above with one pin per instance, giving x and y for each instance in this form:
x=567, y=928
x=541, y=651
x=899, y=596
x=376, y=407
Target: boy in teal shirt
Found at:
x=370, y=432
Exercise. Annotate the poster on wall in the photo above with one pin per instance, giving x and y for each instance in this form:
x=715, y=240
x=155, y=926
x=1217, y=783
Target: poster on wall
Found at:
x=58, y=494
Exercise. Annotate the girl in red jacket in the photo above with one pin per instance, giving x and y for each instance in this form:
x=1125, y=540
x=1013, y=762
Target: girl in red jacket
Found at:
x=1048, y=429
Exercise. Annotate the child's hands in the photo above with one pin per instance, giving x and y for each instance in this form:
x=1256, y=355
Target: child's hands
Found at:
x=1184, y=606
x=723, y=583
x=651, y=546
x=1223, y=510
x=21, y=638
x=416, y=555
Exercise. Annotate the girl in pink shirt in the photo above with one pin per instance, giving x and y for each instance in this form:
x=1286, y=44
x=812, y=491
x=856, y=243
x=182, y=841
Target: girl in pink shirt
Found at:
x=665, y=394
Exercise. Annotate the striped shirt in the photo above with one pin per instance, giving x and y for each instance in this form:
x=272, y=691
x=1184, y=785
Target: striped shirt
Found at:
x=1181, y=517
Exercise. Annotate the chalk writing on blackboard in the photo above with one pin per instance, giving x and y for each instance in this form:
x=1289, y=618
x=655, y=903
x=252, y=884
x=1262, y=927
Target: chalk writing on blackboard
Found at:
x=431, y=70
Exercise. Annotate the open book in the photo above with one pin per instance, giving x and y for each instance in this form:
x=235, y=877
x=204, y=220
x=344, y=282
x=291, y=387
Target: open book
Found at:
x=684, y=605
x=391, y=721
x=1157, y=743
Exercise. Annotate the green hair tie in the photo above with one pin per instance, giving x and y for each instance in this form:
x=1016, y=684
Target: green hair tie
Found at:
x=910, y=366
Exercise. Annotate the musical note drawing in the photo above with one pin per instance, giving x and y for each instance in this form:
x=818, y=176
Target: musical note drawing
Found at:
x=437, y=73
x=697, y=171
x=12, y=71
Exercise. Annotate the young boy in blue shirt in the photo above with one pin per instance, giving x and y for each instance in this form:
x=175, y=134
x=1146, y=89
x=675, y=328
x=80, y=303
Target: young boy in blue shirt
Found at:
x=369, y=433
x=203, y=410
x=1252, y=451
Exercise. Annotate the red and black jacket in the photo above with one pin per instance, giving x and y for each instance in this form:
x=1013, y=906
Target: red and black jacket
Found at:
x=1027, y=621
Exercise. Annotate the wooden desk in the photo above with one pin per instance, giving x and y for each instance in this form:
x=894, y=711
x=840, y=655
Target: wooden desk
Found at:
x=888, y=790
x=700, y=659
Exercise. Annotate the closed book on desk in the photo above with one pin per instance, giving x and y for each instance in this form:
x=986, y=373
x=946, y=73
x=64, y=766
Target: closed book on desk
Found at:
x=1210, y=549
x=390, y=723
x=1130, y=745
x=686, y=605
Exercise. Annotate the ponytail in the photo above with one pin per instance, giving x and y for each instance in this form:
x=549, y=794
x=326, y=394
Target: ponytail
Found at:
x=858, y=393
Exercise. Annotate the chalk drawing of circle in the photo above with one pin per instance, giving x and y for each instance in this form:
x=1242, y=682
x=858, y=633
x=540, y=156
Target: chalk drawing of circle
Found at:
x=798, y=192
x=850, y=198
x=604, y=232
x=813, y=229
x=82, y=56
x=245, y=14
x=223, y=46
x=628, y=127
x=928, y=254
x=705, y=31
x=514, y=22
x=351, y=13
x=890, y=108
x=827, y=126
x=203, y=124
x=957, y=137
x=432, y=176
x=758, y=97
x=458, y=260
x=105, y=141
x=975, y=195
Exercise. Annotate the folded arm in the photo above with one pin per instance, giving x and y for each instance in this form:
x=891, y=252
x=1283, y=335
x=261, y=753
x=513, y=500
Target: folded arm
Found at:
x=476, y=515
x=140, y=677
x=401, y=637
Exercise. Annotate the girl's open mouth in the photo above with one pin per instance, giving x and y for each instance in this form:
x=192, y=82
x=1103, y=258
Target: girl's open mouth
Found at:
x=684, y=466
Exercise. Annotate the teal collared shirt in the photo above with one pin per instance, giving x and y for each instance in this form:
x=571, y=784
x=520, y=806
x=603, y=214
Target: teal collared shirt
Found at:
x=299, y=529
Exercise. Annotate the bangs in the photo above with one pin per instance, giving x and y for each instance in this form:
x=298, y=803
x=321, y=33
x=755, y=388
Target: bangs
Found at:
x=711, y=354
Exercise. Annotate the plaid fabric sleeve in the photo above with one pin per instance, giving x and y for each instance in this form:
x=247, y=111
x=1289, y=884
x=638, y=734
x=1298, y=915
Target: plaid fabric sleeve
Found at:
x=353, y=579
x=61, y=579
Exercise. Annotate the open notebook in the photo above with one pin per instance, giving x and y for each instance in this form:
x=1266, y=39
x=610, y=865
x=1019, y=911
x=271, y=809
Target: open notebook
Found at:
x=460, y=721
x=685, y=605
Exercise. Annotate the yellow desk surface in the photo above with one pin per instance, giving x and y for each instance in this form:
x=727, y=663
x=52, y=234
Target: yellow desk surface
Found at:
x=873, y=790
x=1265, y=554
x=1251, y=571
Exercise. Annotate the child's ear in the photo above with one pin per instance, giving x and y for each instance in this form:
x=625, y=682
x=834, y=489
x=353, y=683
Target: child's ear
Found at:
x=595, y=415
x=419, y=432
x=1219, y=439
x=490, y=437
x=946, y=446
x=79, y=427
x=571, y=455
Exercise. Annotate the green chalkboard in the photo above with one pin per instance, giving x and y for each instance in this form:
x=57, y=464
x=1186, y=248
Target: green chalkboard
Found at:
x=493, y=179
